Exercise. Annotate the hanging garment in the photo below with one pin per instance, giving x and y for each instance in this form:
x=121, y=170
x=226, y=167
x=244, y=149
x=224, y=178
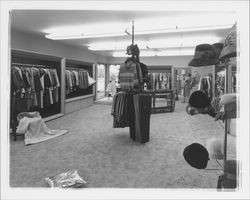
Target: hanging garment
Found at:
x=35, y=130
x=91, y=81
x=128, y=76
x=142, y=105
x=144, y=71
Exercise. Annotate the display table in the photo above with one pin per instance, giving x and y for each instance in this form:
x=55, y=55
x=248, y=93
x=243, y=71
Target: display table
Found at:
x=163, y=100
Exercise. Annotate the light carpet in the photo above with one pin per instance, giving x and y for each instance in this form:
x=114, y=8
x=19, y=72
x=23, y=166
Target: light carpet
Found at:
x=106, y=157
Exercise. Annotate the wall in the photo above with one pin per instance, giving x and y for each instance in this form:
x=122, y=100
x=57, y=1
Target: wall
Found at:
x=42, y=45
x=175, y=61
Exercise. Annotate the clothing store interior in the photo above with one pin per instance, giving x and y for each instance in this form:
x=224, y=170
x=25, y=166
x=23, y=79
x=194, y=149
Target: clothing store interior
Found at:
x=104, y=98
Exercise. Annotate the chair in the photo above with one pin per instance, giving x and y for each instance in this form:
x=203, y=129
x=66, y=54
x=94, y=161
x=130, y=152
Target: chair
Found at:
x=18, y=105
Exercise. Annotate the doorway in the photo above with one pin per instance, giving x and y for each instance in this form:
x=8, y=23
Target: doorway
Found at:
x=101, y=77
x=114, y=72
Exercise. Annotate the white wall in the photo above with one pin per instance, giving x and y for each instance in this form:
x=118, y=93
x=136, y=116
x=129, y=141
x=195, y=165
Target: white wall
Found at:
x=44, y=46
x=175, y=61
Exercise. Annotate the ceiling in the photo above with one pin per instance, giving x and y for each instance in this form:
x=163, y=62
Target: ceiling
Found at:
x=42, y=22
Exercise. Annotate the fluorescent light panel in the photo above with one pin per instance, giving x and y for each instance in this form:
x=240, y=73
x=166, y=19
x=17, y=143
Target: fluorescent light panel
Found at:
x=64, y=37
x=138, y=32
x=169, y=52
x=176, y=42
x=183, y=29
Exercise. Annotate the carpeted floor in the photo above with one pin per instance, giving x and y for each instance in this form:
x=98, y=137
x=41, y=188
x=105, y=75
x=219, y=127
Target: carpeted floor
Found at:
x=106, y=157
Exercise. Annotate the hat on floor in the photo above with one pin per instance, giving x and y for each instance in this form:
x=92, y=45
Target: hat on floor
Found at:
x=196, y=155
x=229, y=48
x=199, y=99
x=205, y=54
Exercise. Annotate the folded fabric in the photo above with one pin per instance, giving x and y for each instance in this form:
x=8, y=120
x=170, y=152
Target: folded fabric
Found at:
x=227, y=107
x=35, y=130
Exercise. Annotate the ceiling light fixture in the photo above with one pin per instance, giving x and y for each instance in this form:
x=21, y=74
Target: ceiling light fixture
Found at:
x=100, y=30
x=64, y=37
x=182, y=29
x=109, y=46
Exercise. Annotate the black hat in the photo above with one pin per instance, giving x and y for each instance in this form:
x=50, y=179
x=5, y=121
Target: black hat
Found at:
x=199, y=99
x=218, y=47
x=133, y=50
x=196, y=155
x=205, y=54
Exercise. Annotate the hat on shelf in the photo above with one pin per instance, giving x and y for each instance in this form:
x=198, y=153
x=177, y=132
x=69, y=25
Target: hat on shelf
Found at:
x=229, y=48
x=214, y=147
x=196, y=155
x=199, y=99
x=205, y=54
x=227, y=107
x=218, y=48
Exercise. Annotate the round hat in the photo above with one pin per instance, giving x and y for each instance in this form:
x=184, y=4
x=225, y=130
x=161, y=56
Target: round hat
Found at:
x=199, y=99
x=229, y=48
x=205, y=54
x=196, y=155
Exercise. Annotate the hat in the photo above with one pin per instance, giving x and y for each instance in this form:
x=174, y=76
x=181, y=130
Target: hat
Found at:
x=229, y=48
x=133, y=50
x=218, y=48
x=214, y=147
x=205, y=54
x=196, y=155
x=199, y=99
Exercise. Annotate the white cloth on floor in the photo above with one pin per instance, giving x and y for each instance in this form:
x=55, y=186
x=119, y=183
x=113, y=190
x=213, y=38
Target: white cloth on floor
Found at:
x=35, y=130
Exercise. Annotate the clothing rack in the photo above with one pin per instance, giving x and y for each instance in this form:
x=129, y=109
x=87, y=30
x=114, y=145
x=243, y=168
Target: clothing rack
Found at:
x=78, y=69
x=31, y=65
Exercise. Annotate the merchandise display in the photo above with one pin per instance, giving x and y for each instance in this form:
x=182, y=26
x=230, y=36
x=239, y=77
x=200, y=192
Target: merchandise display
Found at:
x=229, y=48
x=135, y=106
x=205, y=55
x=36, y=82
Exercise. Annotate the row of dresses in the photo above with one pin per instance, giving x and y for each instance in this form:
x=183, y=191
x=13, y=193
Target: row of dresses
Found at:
x=132, y=74
x=77, y=79
x=159, y=81
x=133, y=111
x=40, y=84
x=205, y=86
x=220, y=85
